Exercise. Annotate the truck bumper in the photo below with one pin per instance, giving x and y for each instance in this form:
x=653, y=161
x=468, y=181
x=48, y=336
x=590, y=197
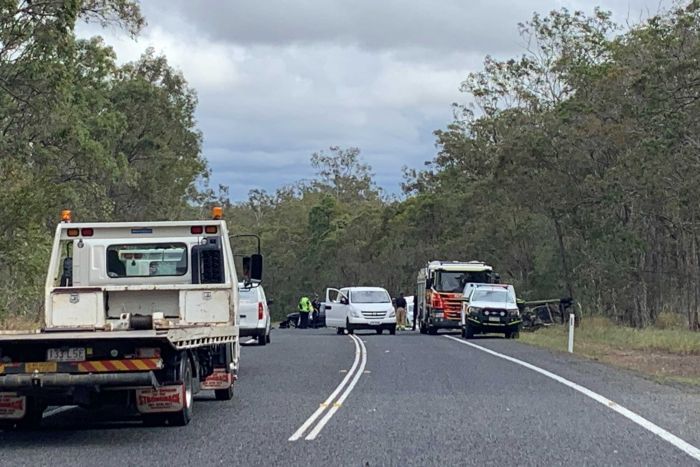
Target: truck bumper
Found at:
x=33, y=382
x=442, y=323
x=503, y=327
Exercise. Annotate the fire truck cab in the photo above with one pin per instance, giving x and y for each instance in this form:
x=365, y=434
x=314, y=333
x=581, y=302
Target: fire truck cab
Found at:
x=439, y=289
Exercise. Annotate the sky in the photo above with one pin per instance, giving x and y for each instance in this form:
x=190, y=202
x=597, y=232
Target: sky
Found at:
x=278, y=80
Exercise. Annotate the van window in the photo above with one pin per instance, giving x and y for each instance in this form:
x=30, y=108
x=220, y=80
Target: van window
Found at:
x=147, y=260
x=369, y=296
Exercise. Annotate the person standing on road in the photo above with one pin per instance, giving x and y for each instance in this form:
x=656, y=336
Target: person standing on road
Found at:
x=316, y=307
x=401, y=313
x=305, y=308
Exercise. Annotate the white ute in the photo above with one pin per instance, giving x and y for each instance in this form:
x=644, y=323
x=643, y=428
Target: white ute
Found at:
x=254, y=312
x=138, y=314
x=353, y=308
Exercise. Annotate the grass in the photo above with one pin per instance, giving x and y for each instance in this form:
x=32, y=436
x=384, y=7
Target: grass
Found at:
x=19, y=323
x=669, y=354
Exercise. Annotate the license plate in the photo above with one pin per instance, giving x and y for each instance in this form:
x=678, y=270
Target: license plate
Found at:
x=375, y=323
x=73, y=354
x=495, y=319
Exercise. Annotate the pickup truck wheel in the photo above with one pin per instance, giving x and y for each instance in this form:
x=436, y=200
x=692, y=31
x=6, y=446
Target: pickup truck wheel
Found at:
x=262, y=339
x=184, y=416
x=468, y=332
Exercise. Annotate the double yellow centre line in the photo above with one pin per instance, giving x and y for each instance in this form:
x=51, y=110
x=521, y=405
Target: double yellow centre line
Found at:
x=331, y=405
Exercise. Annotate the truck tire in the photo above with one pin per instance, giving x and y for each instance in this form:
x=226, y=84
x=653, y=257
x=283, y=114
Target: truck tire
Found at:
x=262, y=338
x=421, y=328
x=184, y=416
x=224, y=394
x=432, y=330
x=31, y=420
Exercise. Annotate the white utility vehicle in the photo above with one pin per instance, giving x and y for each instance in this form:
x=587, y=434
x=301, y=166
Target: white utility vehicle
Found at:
x=139, y=314
x=353, y=308
x=254, y=312
x=490, y=308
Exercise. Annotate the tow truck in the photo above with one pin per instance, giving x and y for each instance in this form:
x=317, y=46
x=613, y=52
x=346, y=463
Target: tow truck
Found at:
x=138, y=314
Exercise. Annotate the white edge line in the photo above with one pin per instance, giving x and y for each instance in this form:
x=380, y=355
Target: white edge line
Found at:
x=300, y=432
x=684, y=446
x=317, y=429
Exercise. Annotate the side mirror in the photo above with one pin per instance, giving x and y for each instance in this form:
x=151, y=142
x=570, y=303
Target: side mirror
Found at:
x=256, y=267
x=344, y=301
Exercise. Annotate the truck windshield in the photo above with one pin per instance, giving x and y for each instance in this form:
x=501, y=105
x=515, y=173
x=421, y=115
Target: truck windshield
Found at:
x=454, y=281
x=370, y=296
x=145, y=260
x=498, y=296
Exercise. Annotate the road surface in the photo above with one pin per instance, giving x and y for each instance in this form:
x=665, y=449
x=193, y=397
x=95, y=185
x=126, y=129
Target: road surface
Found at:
x=408, y=399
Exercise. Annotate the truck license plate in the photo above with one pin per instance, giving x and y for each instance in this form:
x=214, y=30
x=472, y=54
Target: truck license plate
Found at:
x=73, y=354
x=495, y=318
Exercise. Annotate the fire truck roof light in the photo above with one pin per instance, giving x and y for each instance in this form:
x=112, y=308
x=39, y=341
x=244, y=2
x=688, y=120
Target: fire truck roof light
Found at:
x=66, y=215
x=217, y=213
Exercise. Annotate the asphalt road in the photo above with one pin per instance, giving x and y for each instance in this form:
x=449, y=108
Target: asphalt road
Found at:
x=419, y=400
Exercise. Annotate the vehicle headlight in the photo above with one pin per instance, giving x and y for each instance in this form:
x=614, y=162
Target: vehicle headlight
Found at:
x=514, y=313
x=355, y=314
x=391, y=313
x=473, y=310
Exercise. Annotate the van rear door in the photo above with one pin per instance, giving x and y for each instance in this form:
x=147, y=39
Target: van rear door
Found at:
x=249, y=297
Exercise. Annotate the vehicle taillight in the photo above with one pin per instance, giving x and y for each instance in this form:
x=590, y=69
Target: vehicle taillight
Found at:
x=261, y=310
x=437, y=301
x=211, y=229
x=87, y=232
x=196, y=229
x=73, y=232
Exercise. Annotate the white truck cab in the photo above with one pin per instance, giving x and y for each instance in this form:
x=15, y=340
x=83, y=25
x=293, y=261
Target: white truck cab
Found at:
x=490, y=308
x=353, y=308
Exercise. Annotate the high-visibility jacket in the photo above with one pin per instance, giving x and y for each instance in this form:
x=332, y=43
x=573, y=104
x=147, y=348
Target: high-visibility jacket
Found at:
x=305, y=305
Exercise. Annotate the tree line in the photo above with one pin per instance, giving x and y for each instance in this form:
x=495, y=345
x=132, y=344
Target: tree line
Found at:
x=572, y=168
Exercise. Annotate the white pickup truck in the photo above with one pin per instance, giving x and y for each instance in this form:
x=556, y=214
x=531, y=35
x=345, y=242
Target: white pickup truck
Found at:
x=137, y=314
x=353, y=308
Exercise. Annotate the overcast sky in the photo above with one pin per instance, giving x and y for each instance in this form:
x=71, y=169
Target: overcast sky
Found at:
x=280, y=79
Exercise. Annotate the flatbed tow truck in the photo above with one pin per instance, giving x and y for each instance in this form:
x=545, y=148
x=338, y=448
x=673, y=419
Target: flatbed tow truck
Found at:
x=142, y=315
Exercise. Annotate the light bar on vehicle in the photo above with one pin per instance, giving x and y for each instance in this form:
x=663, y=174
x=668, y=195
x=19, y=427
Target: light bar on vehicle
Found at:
x=217, y=213
x=66, y=215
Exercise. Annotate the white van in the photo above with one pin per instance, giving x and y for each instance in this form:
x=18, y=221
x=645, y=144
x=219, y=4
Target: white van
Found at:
x=354, y=308
x=254, y=313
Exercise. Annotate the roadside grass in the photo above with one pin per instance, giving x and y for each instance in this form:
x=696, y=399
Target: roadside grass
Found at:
x=19, y=323
x=668, y=354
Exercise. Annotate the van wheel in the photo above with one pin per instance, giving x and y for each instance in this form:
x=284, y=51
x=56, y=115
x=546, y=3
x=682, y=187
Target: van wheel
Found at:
x=349, y=327
x=392, y=330
x=340, y=331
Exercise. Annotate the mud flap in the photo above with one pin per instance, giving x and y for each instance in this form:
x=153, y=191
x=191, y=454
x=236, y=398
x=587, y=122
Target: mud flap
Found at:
x=220, y=379
x=12, y=406
x=162, y=400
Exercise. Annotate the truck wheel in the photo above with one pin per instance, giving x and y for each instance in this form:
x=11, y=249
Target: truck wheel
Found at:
x=31, y=420
x=432, y=330
x=421, y=327
x=262, y=339
x=224, y=394
x=184, y=416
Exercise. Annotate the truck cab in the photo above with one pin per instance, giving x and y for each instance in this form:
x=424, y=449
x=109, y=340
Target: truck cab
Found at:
x=439, y=291
x=354, y=308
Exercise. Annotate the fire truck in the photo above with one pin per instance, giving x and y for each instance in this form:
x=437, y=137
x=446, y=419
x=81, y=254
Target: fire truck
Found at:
x=138, y=314
x=439, y=289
